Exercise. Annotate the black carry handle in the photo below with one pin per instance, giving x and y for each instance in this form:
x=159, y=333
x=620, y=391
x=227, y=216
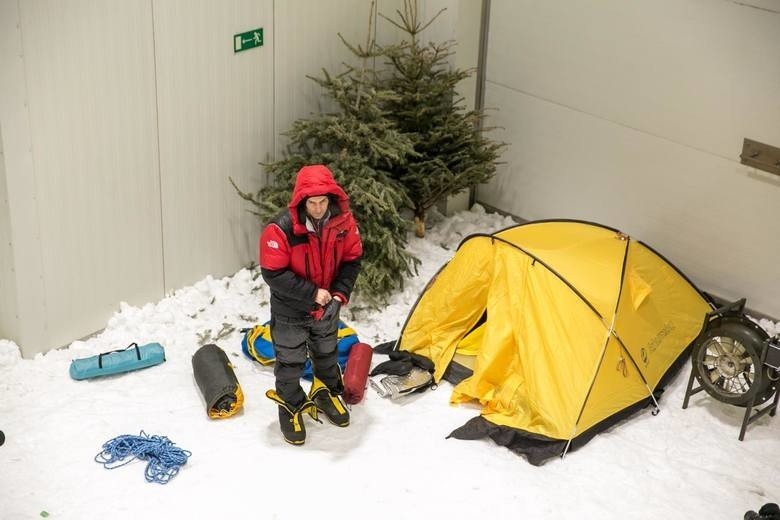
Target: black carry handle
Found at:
x=736, y=307
x=134, y=344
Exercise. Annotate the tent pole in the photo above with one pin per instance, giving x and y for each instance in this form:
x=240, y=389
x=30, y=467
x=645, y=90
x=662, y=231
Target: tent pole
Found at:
x=641, y=375
x=568, y=443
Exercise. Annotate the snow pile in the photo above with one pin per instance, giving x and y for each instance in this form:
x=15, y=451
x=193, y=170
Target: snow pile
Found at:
x=9, y=353
x=393, y=461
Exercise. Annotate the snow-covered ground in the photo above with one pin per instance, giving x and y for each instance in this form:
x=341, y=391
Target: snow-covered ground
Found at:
x=393, y=461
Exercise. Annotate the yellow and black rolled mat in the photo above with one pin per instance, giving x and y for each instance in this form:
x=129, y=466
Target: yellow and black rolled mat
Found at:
x=217, y=382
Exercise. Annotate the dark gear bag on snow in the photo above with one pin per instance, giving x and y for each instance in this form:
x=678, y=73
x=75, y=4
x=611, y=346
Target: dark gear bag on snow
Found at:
x=257, y=344
x=217, y=382
x=409, y=373
x=385, y=348
x=401, y=363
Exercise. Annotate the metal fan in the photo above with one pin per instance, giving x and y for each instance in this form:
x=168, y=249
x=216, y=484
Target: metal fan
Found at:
x=736, y=362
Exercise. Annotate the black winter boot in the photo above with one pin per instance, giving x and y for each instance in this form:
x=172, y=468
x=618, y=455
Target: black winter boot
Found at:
x=291, y=419
x=329, y=403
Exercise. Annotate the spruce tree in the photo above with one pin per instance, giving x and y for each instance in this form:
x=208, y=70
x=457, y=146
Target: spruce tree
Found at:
x=361, y=146
x=452, y=152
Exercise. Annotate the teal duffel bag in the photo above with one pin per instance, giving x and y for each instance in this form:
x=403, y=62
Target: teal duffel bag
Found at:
x=117, y=361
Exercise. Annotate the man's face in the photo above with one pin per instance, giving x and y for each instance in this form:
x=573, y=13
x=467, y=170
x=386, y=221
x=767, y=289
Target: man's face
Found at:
x=317, y=206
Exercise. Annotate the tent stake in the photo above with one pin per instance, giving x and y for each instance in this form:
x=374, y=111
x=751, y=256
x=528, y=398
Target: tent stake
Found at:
x=565, y=449
x=568, y=443
x=655, y=403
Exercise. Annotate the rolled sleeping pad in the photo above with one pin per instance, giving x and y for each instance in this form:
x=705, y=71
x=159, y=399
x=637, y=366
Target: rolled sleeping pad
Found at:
x=356, y=372
x=133, y=357
x=217, y=382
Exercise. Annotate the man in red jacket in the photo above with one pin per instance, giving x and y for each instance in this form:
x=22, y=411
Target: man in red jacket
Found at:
x=310, y=258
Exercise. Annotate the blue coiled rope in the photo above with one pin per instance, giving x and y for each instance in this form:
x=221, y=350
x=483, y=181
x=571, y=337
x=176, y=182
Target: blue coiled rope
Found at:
x=165, y=458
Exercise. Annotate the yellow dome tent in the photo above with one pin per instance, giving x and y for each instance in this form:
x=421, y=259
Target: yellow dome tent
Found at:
x=558, y=328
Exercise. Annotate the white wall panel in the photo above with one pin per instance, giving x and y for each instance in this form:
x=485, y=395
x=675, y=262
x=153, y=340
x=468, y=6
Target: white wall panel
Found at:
x=387, y=33
x=90, y=94
x=461, y=23
x=711, y=217
x=215, y=121
x=443, y=29
x=9, y=318
x=26, y=287
x=306, y=42
x=121, y=123
x=633, y=114
x=446, y=24
x=699, y=72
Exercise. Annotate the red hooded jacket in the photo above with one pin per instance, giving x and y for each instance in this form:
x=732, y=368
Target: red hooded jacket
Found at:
x=295, y=261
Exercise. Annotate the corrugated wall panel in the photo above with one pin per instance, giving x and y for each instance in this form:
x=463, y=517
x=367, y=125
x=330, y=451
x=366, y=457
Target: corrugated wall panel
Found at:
x=693, y=71
x=445, y=27
x=633, y=114
x=216, y=121
x=96, y=214
x=9, y=325
x=26, y=294
x=306, y=42
x=460, y=22
x=92, y=116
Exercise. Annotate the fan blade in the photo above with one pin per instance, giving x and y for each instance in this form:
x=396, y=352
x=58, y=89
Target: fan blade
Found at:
x=714, y=376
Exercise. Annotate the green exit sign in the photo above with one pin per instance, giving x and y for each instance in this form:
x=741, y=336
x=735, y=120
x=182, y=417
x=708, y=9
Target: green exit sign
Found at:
x=248, y=40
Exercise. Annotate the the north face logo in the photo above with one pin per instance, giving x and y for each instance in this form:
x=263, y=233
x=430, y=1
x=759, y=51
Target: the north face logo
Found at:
x=273, y=244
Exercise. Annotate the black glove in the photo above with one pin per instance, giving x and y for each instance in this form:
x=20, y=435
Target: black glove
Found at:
x=416, y=359
x=395, y=368
x=331, y=309
x=401, y=363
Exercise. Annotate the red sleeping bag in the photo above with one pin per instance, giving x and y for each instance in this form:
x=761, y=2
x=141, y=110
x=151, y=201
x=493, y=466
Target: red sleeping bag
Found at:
x=356, y=372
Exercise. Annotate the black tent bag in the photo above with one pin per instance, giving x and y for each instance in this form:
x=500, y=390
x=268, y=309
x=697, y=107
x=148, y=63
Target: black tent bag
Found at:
x=217, y=382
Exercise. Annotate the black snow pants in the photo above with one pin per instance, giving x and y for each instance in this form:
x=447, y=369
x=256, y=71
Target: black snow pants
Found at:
x=294, y=340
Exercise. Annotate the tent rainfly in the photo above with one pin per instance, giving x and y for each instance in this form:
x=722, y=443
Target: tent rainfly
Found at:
x=559, y=329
